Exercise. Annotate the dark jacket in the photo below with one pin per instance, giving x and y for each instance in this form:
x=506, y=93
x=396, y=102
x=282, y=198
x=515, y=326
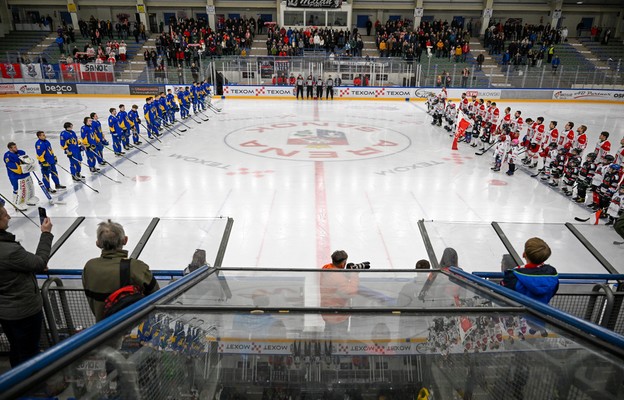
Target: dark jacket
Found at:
x=539, y=283
x=100, y=278
x=19, y=291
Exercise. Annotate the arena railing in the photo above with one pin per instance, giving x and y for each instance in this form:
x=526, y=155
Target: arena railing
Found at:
x=388, y=72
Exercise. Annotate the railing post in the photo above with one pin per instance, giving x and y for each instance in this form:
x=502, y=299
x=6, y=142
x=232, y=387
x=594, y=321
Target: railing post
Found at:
x=542, y=77
x=576, y=75
x=490, y=76
x=559, y=78
x=526, y=72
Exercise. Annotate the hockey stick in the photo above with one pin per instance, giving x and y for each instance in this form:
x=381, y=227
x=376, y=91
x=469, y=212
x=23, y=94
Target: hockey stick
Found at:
x=45, y=190
x=83, y=182
x=215, y=108
x=581, y=219
x=18, y=209
x=135, y=146
x=182, y=122
x=486, y=150
x=155, y=137
x=190, y=115
x=147, y=141
x=124, y=156
x=168, y=129
x=614, y=242
x=99, y=173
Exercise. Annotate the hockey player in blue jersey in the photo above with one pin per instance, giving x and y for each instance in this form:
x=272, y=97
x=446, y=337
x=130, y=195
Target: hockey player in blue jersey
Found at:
x=135, y=124
x=173, y=106
x=116, y=131
x=162, y=100
x=97, y=129
x=47, y=161
x=73, y=150
x=150, y=118
x=19, y=166
x=183, y=103
x=187, y=97
x=194, y=92
x=124, y=124
x=203, y=94
x=89, y=141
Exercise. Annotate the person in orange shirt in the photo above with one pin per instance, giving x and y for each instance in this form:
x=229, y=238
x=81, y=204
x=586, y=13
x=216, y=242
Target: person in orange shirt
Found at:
x=337, y=288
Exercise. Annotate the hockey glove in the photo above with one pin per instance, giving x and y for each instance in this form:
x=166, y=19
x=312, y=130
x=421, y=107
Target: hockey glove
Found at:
x=68, y=153
x=55, y=160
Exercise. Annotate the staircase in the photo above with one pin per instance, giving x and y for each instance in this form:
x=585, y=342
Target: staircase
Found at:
x=258, y=47
x=136, y=65
x=491, y=68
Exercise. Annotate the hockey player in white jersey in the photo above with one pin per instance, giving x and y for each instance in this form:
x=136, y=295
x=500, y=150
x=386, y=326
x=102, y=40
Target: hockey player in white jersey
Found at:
x=499, y=152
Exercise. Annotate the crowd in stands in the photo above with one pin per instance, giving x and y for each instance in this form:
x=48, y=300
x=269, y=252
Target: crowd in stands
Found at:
x=290, y=42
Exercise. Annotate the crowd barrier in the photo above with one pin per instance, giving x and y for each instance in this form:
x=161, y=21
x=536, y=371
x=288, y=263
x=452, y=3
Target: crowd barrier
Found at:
x=340, y=93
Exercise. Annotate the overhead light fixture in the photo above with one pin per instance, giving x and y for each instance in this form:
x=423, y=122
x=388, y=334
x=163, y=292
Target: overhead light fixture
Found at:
x=579, y=2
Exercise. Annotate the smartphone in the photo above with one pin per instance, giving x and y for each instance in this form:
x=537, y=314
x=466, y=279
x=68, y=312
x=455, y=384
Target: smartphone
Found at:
x=42, y=214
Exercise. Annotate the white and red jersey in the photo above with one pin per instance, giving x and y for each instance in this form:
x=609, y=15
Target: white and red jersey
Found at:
x=602, y=149
x=568, y=139
x=443, y=95
x=512, y=155
x=553, y=137
x=580, y=142
x=463, y=105
x=538, y=134
x=506, y=120
x=472, y=107
x=518, y=124
x=494, y=115
x=482, y=111
x=619, y=157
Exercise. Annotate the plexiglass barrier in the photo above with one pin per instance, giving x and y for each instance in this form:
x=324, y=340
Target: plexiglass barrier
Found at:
x=252, y=334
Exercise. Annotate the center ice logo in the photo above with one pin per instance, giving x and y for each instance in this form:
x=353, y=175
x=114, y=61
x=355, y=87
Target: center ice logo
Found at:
x=317, y=141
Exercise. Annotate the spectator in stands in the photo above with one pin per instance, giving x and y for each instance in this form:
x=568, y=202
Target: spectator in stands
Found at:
x=101, y=276
x=21, y=313
x=60, y=42
x=480, y=60
x=555, y=64
x=534, y=279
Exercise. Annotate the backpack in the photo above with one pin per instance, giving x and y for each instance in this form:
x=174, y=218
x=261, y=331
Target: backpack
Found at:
x=125, y=296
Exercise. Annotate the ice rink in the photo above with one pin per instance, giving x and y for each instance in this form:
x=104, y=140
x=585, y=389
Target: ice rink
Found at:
x=301, y=179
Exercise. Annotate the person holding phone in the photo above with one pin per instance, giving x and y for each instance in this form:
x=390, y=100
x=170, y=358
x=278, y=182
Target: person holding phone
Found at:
x=21, y=314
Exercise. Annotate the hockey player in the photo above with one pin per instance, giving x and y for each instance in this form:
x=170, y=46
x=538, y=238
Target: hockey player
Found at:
x=609, y=187
x=603, y=147
x=549, y=156
x=586, y=175
x=526, y=139
x=47, y=162
x=537, y=142
x=616, y=205
x=201, y=92
x=512, y=156
x=516, y=125
x=443, y=96
x=135, y=124
x=556, y=170
x=553, y=134
x=150, y=117
x=125, y=125
x=430, y=103
x=329, y=88
x=194, y=95
x=463, y=103
x=597, y=180
x=450, y=115
x=571, y=172
x=97, y=129
x=89, y=141
x=580, y=142
x=619, y=155
x=173, y=106
x=115, y=130
x=19, y=166
x=567, y=136
x=505, y=126
x=73, y=150
x=499, y=152
x=438, y=112
x=161, y=108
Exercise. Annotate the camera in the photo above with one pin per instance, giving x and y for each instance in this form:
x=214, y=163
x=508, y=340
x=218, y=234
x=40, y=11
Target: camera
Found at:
x=362, y=265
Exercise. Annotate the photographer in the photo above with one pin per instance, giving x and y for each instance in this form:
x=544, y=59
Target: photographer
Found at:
x=337, y=289
x=20, y=300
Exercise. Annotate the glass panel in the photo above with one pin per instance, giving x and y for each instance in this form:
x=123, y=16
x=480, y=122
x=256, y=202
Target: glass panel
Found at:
x=568, y=255
x=80, y=247
x=337, y=18
x=333, y=289
x=486, y=256
x=602, y=238
x=174, y=241
x=315, y=18
x=28, y=234
x=256, y=356
x=293, y=18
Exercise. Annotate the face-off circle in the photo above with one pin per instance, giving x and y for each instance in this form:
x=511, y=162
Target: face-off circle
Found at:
x=317, y=141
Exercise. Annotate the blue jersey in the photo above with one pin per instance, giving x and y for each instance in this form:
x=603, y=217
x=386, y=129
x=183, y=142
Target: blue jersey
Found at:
x=133, y=117
x=194, y=92
x=45, y=154
x=187, y=96
x=170, y=100
x=163, y=103
x=113, y=125
x=206, y=88
x=88, y=136
x=97, y=129
x=122, y=120
x=70, y=142
x=181, y=98
x=14, y=164
x=149, y=112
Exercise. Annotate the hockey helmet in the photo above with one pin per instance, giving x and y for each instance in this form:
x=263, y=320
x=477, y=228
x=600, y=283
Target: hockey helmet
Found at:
x=609, y=159
x=552, y=145
x=615, y=167
x=563, y=150
x=515, y=142
x=502, y=138
x=592, y=155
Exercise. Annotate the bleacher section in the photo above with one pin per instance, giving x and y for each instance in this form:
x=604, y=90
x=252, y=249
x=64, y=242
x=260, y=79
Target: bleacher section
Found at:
x=19, y=41
x=612, y=53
